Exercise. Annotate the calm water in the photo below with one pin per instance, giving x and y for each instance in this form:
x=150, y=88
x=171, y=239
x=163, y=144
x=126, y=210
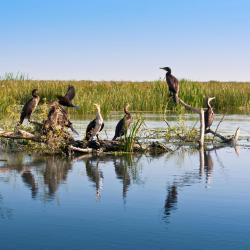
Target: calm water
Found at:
x=185, y=200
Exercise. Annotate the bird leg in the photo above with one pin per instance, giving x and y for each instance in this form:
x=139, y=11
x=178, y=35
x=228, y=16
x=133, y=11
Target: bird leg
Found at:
x=97, y=138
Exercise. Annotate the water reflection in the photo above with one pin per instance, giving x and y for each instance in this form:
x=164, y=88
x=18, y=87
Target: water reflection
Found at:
x=44, y=175
x=171, y=200
x=126, y=170
x=55, y=173
x=208, y=165
x=94, y=174
x=29, y=180
x=205, y=169
x=121, y=165
x=38, y=173
x=5, y=212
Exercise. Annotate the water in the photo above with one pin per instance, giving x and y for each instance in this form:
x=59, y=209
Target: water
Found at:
x=185, y=200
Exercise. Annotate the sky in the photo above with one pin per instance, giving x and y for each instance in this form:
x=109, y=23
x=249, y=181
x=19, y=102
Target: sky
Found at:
x=126, y=39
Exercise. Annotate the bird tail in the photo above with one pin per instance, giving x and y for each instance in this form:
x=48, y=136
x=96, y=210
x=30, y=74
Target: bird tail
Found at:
x=73, y=130
x=76, y=107
x=21, y=121
x=87, y=137
x=114, y=138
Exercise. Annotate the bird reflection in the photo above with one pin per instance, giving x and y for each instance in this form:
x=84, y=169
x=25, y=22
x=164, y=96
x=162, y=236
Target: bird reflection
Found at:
x=171, y=200
x=29, y=180
x=95, y=175
x=52, y=169
x=188, y=179
x=121, y=170
x=56, y=171
x=126, y=170
x=208, y=165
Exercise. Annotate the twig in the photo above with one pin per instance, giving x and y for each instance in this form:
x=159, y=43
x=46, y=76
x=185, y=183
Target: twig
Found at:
x=218, y=126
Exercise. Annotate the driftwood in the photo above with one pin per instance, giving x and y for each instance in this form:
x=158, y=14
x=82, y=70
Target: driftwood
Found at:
x=202, y=120
x=20, y=134
x=232, y=140
x=87, y=147
x=53, y=132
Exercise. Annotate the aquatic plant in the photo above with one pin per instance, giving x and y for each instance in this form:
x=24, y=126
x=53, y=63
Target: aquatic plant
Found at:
x=130, y=138
x=231, y=97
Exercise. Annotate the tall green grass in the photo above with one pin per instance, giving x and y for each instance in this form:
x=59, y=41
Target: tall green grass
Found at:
x=231, y=97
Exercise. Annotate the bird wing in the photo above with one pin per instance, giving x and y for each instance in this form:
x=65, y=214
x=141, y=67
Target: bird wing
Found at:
x=119, y=130
x=70, y=93
x=173, y=83
x=27, y=108
x=102, y=127
x=90, y=126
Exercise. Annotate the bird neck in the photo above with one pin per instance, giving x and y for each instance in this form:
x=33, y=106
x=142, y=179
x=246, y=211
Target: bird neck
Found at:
x=168, y=72
x=209, y=105
x=98, y=114
x=126, y=111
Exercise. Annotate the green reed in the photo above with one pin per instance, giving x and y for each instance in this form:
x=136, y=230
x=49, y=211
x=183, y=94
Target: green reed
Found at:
x=130, y=138
x=231, y=97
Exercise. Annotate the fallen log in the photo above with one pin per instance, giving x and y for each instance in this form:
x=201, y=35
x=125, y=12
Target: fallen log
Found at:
x=232, y=140
x=20, y=134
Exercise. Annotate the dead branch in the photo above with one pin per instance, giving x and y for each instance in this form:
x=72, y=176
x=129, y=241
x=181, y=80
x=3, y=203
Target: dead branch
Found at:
x=202, y=119
x=20, y=134
x=232, y=140
x=218, y=126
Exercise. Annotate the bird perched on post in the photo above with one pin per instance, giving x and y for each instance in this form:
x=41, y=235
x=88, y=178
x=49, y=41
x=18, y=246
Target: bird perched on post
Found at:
x=30, y=106
x=173, y=84
x=96, y=125
x=209, y=114
x=123, y=125
x=67, y=99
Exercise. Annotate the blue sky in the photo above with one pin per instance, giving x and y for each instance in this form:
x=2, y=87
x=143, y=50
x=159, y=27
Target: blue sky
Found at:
x=126, y=39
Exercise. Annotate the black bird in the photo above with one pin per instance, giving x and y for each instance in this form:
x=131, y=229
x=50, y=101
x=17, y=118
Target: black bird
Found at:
x=57, y=117
x=29, y=107
x=123, y=125
x=67, y=99
x=173, y=84
x=96, y=125
x=209, y=114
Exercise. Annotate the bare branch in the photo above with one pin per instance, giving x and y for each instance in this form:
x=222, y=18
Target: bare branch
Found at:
x=20, y=134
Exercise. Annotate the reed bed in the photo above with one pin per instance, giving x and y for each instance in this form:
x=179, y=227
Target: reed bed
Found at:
x=231, y=97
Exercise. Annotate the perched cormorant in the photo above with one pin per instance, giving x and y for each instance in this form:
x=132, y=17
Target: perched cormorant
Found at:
x=57, y=117
x=96, y=125
x=173, y=84
x=67, y=99
x=29, y=107
x=123, y=125
x=209, y=114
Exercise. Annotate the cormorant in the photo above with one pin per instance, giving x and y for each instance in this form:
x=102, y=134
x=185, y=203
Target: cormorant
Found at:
x=123, y=125
x=67, y=99
x=29, y=107
x=57, y=116
x=96, y=125
x=209, y=114
x=173, y=84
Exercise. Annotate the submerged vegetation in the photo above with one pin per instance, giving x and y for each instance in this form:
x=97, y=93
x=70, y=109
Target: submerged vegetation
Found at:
x=231, y=97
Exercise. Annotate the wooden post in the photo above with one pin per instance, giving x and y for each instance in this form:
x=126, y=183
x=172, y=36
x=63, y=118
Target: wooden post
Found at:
x=202, y=128
x=202, y=120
